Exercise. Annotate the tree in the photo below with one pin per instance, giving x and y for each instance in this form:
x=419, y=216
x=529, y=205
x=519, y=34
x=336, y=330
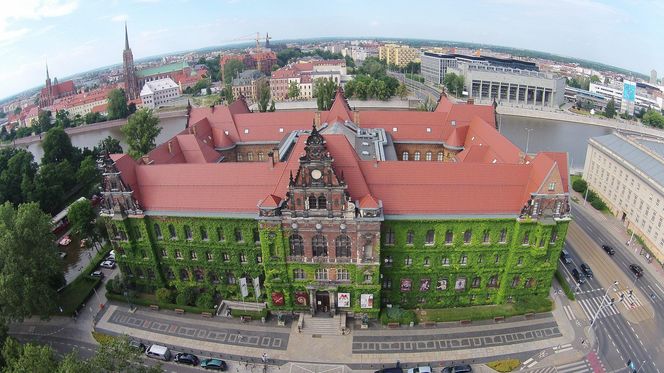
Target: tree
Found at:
x=349, y=61
x=610, y=109
x=131, y=108
x=594, y=79
x=580, y=185
x=263, y=97
x=412, y=67
x=454, y=83
x=427, y=105
x=90, y=118
x=17, y=171
x=52, y=184
x=57, y=146
x=109, y=145
x=17, y=111
x=402, y=91
x=201, y=84
x=653, y=118
x=30, y=270
x=43, y=121
x=28, y=358
x=87, y=175
x=82, y=218
x=272, y=108
x=71, y=363
x=62, y=119
x=227, y=94
x=293, y=90
x=116, y=355
x=140, y=132
x=324, y=90
x=231, y=68
x=164, y=295
x=117, y=104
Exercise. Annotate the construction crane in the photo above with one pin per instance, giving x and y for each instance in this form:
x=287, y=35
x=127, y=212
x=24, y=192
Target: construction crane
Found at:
x=255, y=37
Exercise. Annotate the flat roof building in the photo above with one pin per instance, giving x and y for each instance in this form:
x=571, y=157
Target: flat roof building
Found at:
x=157, y=92
x=397, y=54
x=434, y=65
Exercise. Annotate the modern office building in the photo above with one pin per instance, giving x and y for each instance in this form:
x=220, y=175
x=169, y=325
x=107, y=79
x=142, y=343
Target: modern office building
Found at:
x=397, y=54
x=364, y=209
x=434, y=65
x=628, y=174
x=641, y=100
x=653, y=76
x=486, y=83
x=159, y=92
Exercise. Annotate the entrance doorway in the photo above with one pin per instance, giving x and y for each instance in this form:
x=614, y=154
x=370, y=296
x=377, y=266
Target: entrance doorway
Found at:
x=322, y=301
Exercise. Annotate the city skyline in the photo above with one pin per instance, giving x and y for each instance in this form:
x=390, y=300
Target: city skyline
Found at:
x=39, y=30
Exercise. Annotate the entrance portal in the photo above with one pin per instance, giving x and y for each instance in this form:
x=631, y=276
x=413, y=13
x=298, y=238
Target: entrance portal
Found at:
x=322, y=301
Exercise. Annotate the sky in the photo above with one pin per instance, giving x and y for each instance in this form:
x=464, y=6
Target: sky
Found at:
x=79, y=35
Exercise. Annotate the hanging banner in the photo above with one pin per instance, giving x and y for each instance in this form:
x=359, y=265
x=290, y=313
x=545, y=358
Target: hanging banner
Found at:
x=243, y=287
x=366, y=301
x=343, y=300
x=257, y=287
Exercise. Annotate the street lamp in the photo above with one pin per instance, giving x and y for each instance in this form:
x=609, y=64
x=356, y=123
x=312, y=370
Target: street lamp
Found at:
x=528, y=138
x=602, y=306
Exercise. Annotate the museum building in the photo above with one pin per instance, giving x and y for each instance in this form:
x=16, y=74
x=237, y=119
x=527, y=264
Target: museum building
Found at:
x=340, y=210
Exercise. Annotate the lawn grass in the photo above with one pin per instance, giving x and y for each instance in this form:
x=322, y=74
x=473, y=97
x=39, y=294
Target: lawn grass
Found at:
x=566, y=289
x=146, y=300
x=485, y=312
x=504, y=366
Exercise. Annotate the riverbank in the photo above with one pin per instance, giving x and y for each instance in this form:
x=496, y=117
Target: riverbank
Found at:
x=581, y=119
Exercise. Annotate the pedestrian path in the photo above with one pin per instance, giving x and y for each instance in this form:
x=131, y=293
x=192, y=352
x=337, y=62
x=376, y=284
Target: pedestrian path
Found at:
x=591, y=305
x=569, y=313
x=629, y=299
x=582, y=366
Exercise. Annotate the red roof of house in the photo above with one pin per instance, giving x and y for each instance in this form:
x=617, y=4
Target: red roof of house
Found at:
x=99, y=108
x=491, y=176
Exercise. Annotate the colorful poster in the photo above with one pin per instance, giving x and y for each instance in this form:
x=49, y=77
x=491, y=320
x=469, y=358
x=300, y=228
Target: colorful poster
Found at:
x=460, y=284
x=442, y=284
x=343, y=300
x=278, y=298
x=243, y=287
x=406, y=284
x=425, y=283
x=301, y=298
x=366, y=301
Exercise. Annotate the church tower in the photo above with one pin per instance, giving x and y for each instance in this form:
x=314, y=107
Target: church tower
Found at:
x=131, y=82
x=47, y=99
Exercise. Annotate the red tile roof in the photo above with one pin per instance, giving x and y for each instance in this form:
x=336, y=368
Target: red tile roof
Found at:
x=60, y=89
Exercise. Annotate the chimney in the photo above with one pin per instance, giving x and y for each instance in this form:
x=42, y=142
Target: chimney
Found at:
x=170, y=147
x=317, y=119
x=470, y=101
x=356, y=117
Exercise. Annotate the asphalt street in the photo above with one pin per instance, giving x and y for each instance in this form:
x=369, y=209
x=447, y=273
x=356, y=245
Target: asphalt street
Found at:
x=618, y=339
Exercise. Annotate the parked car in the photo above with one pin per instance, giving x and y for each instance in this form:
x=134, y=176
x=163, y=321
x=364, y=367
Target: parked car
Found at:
x=586, y=270
x=185, y=358
x=457, y=369
x=107, y=264
x=565, y=257
x=424, y=369
x=97, y=273
x=137, y=345
x=396, y=369
x=609, y=250
x=636, y=269
x=159, y=352
x=577, y=276
x=213, y=364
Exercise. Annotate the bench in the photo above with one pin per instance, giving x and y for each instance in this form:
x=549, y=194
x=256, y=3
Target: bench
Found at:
x=499, y=319
x=529, y=315
x=179, y=311
x=245, y=318
x=154, y=307
x=464, y=322
x=393, y=325
x=429, y=323
x=207, y=315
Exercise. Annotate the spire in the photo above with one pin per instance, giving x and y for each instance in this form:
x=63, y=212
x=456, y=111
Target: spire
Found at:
x=47, y=77
x=126, y=37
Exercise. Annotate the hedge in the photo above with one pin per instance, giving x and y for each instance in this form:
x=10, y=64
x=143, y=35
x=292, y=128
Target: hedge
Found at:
x=237, y=312
x=568, y=291
x=397, y=315
x=148, y=302
x=529, y=305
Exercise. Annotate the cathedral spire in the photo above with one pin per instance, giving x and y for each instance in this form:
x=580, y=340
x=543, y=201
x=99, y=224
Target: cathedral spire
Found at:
x=126, y=37
x=47, y=77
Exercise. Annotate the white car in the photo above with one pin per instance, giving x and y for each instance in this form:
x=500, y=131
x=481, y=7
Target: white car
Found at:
x=425, y=369
x=107, y=264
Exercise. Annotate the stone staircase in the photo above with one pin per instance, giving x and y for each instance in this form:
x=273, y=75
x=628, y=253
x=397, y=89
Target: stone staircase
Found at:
x=323, y=325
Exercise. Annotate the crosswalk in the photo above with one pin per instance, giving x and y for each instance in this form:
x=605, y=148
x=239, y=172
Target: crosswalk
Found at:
x=569, y=313
x=630, y=301
x=582, y=366
x=591, y=305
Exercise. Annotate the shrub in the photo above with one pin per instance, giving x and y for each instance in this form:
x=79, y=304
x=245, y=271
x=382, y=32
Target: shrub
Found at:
x=186, y=296
x=398, y=315
x=591, y=196
x=504, y=365
x=164, y=295
x=566, y=289
x=205, y=301
x=580, y=185
x=598, y=204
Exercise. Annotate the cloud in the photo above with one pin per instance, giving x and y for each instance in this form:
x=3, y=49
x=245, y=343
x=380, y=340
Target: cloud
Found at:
x=119, y=18
x=374, y=23
x=30, y=10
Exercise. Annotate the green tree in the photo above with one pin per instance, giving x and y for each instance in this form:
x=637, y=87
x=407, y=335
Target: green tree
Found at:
x=52, y=185
x=594, y=79
x=272, y=108
x=227, y=94
x=109, y=145
x=90, y=118
x=116, y=355
x=402, y=91
x=131, y=108
x=263, y=97
x=88, y=175
x=231, y=68
x=117, y=104
x=28, y=358
x=610, y=109
x=164, y=295
x=17, y=111
x=57, y=146
x=201, y=84
x=186, y=296
x=43, y=121
x=653, y=118
x=412, y=67
x=140, y=132
x=62, y=119
x=454, y=83
x=71, y=363
x=324, y=90
x=349, y=61
x=81, y=218
x=30, y=270
x=17, y=172
x=580, y=185
x=293, y=90
x=427, y=105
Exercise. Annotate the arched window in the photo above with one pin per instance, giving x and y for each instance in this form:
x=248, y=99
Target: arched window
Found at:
x=430, y=237
x=171, y=230
x=410, y=236
x=417, y=156
x=439, y=157
x=485, y=238
x=476, y=282
x=448, y=237
x=531, y=283
x=187, y=232
x=322, y=202
x=467, y=235
x=184, y=275
x=199, y=275
x=157, y=231
x=213, y=277
x=204, y=234
x=515, y=281
x=319, y=245
x=313, y=202
x=296, y=245
x=169, y=274
x=427, y=156
x=404, y=156
x=342, y=245
x=493, y=282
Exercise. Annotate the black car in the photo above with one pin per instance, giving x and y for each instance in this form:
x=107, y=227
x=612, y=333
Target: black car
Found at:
x=577, y=276
x=390, y=370
x=137, y=345
x=565, y=257
x=586, y=270
x=457, y=369
x=609, y=250
x=636, y=269
x=185, y=358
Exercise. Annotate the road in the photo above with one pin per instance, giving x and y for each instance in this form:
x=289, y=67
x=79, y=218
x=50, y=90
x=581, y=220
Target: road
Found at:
x=629, y=329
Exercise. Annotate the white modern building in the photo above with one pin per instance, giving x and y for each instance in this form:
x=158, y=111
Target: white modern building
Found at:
x=616, y=92
x=628, y=174
x=158, y=92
